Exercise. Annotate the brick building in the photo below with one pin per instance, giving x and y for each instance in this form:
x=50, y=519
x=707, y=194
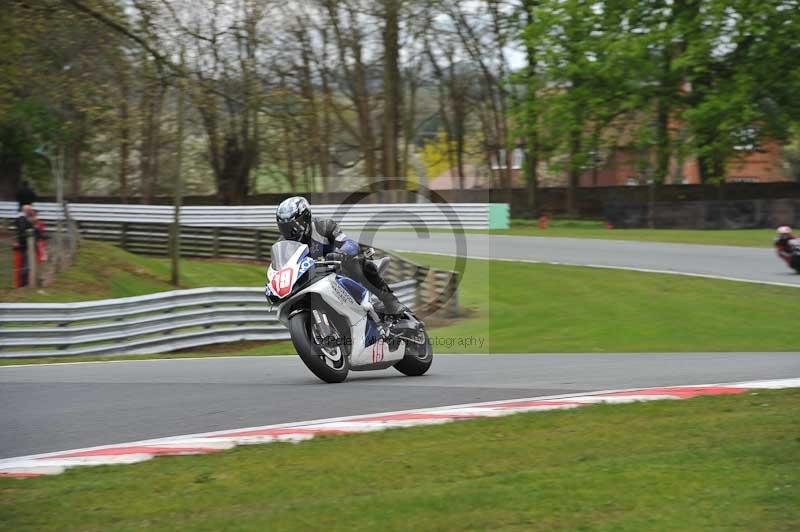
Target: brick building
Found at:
x=623, y=165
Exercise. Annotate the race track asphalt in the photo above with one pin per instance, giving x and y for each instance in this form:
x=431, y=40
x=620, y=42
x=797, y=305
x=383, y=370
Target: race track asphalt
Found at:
x=59, y=407
x=752, y=264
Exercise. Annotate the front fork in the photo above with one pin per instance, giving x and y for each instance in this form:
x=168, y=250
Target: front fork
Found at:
x=383, y=329
x=328, y=336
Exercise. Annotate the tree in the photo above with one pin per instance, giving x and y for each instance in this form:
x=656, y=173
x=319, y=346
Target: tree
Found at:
x=744, y=78
x=346, y=23
x=54, y=89
x=226, y=92
x=392, y=93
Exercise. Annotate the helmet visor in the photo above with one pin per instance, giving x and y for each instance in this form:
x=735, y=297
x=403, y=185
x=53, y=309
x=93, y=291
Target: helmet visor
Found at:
x=292, y=229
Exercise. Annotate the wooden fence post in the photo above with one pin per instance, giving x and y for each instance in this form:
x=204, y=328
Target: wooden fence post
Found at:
x=123, y=236
x=215, y=234
x=33, y=266
x=420, y=275
x=452, y=295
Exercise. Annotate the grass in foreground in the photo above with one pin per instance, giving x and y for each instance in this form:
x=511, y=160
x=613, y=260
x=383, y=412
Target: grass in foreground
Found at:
x=593, y=229
x=728, y=462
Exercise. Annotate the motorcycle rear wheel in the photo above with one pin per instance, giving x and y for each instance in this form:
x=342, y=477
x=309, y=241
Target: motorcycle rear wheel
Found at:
x=418, y=359
x=312, y=354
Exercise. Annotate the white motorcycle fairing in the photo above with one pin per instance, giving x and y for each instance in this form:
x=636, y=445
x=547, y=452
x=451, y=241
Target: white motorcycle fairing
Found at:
x=377, y=355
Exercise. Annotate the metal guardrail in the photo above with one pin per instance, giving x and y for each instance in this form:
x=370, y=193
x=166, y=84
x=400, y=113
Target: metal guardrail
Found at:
x=255, y=244
x=250, y=244
x=207, y=242
x=396, y=215
x=186, y=318
x=153, y=323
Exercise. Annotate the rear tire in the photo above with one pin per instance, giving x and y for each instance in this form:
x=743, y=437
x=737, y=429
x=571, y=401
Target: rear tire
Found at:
x=310, y=352
x=417, y=360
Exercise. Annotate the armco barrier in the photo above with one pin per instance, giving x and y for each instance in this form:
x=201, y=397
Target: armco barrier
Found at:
x=154, y=323
x=248, y=244
x=254, y=244
x=207, y=242
x=396, y=215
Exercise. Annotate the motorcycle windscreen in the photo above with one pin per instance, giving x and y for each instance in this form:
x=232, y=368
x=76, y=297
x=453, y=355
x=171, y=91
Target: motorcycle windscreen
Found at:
x=283, y=251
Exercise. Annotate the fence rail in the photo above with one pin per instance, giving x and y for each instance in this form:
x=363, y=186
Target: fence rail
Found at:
x=741, y=214
x=154, y=323
x=432, y=215
x=209, y=242
x=185, y=318
x=256, y=244
x=250, y=244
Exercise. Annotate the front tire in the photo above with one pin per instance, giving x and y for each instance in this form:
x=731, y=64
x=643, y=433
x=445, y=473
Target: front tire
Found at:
x=418, y=359
x=311, y=353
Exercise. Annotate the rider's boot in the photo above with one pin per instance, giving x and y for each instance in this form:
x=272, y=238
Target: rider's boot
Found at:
x=391, y=305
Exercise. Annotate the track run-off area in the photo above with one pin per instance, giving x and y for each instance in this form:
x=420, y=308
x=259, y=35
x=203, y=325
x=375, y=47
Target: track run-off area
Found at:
x=50, y=408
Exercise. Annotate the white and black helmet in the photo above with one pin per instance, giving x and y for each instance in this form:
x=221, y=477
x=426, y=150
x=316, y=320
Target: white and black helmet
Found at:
x=294, y=218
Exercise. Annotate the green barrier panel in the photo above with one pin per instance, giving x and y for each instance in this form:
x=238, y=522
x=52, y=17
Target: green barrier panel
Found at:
x=499, y=216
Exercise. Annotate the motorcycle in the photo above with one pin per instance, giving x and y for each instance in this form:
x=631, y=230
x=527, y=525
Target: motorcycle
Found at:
x=335, y=323
x=793, y=246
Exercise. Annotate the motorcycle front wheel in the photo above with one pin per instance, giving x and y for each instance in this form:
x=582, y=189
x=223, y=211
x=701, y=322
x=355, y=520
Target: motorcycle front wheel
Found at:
x=418, y=359
x=325, y=360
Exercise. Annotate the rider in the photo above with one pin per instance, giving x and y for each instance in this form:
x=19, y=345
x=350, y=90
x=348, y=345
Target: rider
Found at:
x=324, y=238
x=782, y=245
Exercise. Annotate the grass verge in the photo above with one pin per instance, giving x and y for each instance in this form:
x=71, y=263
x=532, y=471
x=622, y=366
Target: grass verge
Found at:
x=519, y=307
x=592, y=229
x=104, y=271
x=711, y=463
x=220, y=350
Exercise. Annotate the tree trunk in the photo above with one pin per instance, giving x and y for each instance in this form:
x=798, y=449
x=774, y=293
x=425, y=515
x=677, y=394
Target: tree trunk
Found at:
x=10, y=174
x=146, y=148
x=151, y=137
x=75, y=169
x=531, y=118
x=460, y=162
x=391, y=88
x=175, y=250
x=663, y=141
x=124, y=151
x=574, y=172
x=312, y=112
x=409, y=118
x=356, y=79
x=327, y=102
